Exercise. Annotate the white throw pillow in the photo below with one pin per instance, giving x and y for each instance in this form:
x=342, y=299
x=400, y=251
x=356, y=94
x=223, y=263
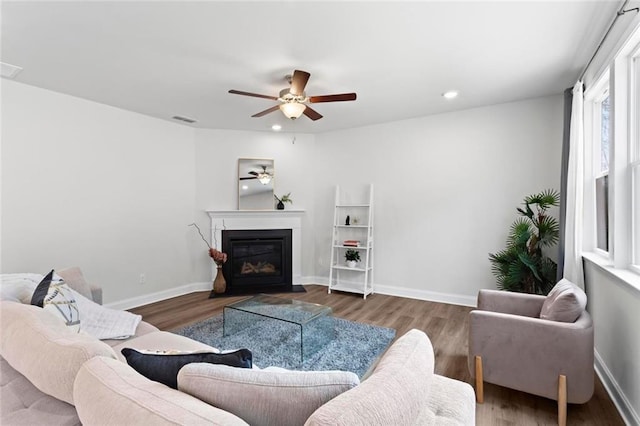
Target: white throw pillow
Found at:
x=264, y=397
x=18, y=287
x=565, y=302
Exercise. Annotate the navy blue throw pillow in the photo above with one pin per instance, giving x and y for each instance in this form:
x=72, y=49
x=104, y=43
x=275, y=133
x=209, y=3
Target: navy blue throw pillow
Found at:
x=164, y=368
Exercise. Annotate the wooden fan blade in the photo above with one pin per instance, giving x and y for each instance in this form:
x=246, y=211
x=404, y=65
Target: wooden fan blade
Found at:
x=298, y=82
x=246, y=178
x=333, y=98
x=267, y=111
x=312, y=113
x=255, y=95
x=253, y=173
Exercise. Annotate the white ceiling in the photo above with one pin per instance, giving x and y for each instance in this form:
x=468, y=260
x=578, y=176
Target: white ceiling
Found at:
x=180, y=58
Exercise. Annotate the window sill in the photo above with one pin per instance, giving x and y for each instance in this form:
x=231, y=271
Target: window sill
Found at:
x=626, y=276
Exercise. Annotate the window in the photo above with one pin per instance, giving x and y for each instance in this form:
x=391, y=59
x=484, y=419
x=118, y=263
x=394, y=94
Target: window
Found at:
x=634, y=163
x=601, y=121
x=612, y=130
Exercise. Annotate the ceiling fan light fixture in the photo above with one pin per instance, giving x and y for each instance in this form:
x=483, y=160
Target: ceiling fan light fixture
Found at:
x=264, y=178
x=292, y=110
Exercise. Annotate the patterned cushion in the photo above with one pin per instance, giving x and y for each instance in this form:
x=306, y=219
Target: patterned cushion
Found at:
x=54, y=295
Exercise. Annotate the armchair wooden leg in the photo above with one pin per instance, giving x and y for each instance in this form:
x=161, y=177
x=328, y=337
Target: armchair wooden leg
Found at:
x=562, y=400
x=479, y=380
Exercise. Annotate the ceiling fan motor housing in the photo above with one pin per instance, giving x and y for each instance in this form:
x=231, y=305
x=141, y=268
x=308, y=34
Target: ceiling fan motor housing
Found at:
x=287, y=96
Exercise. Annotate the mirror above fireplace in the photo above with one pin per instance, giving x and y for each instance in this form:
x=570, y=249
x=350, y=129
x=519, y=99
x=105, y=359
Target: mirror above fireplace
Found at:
x=255, y=184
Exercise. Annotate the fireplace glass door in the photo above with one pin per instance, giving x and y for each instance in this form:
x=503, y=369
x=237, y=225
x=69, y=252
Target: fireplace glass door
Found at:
x=259, y=260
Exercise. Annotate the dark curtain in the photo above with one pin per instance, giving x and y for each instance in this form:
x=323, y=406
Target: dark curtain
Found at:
x=568, y=100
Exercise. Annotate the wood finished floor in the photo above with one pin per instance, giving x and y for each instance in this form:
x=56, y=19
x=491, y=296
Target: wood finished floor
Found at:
x=447, y=327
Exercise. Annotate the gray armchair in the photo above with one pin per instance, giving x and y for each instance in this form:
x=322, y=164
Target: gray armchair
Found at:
x=511, y=346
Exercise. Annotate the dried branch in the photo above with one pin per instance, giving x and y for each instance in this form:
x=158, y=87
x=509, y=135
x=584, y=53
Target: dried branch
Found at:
x=215, y=232
x=201, y=236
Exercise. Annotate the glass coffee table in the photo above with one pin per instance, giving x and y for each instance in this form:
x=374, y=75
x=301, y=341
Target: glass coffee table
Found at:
x=314, y=322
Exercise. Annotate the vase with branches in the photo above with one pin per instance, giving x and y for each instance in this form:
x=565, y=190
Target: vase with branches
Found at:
x=522, y=266
x=219, y=257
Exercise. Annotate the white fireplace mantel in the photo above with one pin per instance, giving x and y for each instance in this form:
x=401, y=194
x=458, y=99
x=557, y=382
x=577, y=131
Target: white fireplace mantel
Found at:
x=262, y=219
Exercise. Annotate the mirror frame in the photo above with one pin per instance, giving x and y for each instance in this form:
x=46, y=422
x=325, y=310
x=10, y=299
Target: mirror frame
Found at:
x=262, y=202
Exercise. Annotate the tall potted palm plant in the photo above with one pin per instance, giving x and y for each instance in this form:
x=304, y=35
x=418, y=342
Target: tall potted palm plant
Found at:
x=522, y=266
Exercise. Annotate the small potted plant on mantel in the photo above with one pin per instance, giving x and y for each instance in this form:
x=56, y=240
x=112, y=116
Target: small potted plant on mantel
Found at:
x=281, y=200
x=352, y=256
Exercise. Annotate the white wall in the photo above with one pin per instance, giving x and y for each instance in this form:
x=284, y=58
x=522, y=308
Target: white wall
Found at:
x=446, y=190
x=95, y=186
x=216, y=158
x=614, y=306
x=113, y=191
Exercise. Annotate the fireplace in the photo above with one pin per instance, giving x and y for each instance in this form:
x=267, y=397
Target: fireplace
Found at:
x=259, y=260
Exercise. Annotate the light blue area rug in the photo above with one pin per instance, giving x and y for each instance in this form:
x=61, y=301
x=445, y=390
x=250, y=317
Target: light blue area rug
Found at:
x=355, y=346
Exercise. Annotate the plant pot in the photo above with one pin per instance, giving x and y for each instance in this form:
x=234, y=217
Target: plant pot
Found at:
x=280, y=205
x=351, y=263
x=219, y=283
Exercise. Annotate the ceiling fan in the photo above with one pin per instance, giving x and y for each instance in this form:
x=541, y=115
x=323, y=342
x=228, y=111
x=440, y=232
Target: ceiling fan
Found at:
x=264, y=177
x=293, y=100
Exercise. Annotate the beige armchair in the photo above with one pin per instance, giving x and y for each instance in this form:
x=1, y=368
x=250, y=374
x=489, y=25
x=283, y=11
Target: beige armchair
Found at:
x=511, y=346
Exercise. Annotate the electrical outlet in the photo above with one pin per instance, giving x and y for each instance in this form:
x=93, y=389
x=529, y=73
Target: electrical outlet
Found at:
x=143, y=278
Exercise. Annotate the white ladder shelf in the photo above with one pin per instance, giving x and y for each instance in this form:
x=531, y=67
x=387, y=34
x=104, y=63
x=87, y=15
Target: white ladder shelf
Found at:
x=358, y=279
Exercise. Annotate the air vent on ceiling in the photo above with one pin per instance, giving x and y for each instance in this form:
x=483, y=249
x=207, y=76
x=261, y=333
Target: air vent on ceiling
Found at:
x=185, y=119
x=9, y=71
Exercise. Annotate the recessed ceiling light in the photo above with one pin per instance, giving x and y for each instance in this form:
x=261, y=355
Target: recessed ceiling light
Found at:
x=276, y=127
x=245, y=187
x=450, y=94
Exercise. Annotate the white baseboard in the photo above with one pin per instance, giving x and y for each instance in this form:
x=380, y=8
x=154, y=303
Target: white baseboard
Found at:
x=145, y=299
x=410, y=293
x=618, y=397
x=432, y=296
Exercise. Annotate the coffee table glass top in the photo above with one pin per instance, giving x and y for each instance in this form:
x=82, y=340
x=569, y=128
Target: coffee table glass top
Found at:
x=312, y=322
x=290, y=310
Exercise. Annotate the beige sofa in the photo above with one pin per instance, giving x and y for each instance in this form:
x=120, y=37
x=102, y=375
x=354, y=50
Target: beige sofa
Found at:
x=53, y=376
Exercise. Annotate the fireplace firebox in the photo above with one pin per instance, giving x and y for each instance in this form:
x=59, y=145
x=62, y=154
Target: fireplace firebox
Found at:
x=259, y=261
